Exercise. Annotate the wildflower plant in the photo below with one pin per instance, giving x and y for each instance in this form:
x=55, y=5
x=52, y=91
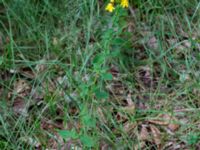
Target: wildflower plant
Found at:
x=110, y=45
x=113, y=3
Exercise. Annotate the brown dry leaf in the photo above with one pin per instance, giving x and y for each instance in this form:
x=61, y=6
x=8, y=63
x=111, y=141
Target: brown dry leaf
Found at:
x=166, y=120
x=21, y=86
x=115, y=72
x=53, y=143
x=155, y=134
x=185, y=44
x=173, y=126
x=116, y=88
x=174, y=145
x=120, y=117
x=144, y=74
x=129, y=126
x=129, y=109
x=27, y=72
x=63, y=81
x=41, y=66
x=37, y=94
x=131, y=27
x=103, y=145
x=51, y=125
x=71, y=145
x=50, y=85
x=129, y=100
x=153, y=42
x=151, y=134
x=159, y=122
x=101, y=115
x=19, y=107
x=7, y=40
x=198, y=145
x=144, y=134
x=140, y=146
x=31, y=142
x=172, y=41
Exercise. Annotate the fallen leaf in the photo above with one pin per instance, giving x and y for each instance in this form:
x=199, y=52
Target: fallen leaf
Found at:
x=103, y=145
x=115, y=72
x=174, y=145
x=166, y=120
x=159, y=122
x=21, y=86
x=56, y=142
x=129, y=126
x=31, y=142
x=120, y=117
x=129, y=109
x=41, y=66
x=156, y=134
x=101, y=115
x=144, y=134
x=50, y=85
x=19, y=107
x=153, y=42
x=129, y=100
x=144, y=74
x=173, y=126
x=27, y=72
x=140, y=146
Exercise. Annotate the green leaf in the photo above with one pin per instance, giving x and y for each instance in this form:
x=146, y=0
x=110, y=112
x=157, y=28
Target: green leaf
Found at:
x=118, y=41
x=3, y=144
x=108, y=34
x=87, y=141
x=99, y=59
x=101, y=94
x=65, y=134
x=84, y=90
x=193, y=138
x=88, y=121
x=115, y=53
x=107, y=76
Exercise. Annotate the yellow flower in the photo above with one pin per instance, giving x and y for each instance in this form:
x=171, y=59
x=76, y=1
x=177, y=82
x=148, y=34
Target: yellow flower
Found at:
x=112, y=1
x=110, y=7
x=124, y=3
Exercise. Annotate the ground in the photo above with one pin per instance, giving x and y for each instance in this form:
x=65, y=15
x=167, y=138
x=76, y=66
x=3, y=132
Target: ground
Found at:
x=74, y=76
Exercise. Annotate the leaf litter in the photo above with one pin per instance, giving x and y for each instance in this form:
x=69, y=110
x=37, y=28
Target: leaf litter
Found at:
x=23, y=92
x=151, y=129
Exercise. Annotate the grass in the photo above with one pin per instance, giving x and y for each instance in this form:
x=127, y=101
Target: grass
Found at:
x=73, y=75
